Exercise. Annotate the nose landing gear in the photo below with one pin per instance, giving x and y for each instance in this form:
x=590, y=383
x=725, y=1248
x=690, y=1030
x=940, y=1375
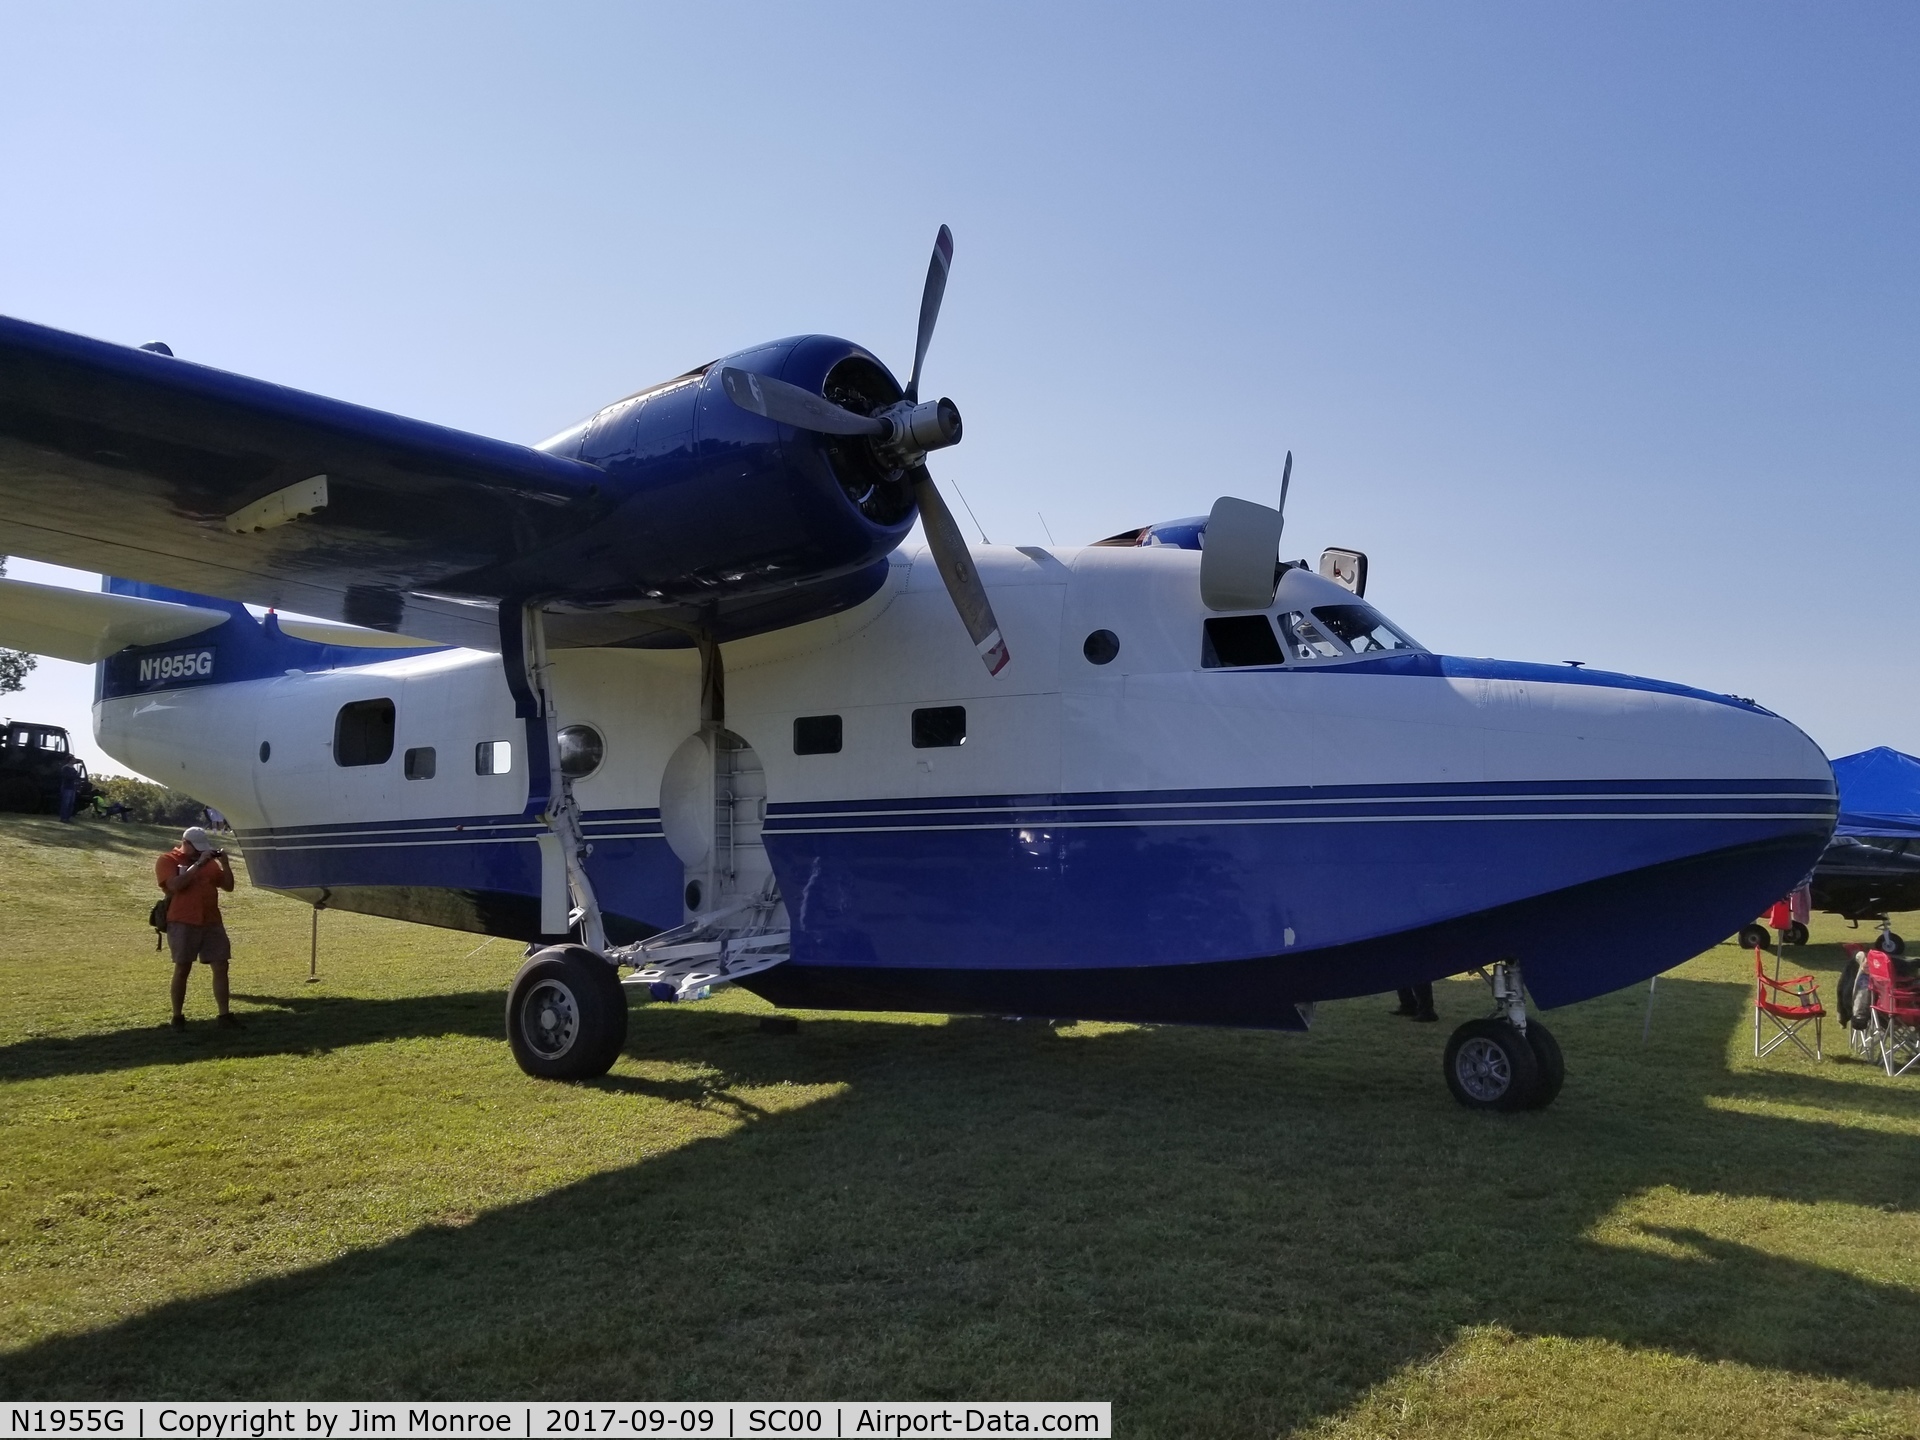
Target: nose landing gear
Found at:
x=1505, y=1061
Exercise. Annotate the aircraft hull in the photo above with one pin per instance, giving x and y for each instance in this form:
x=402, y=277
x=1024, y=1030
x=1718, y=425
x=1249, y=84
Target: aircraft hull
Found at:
x=1573, y=943
x=1228, y=908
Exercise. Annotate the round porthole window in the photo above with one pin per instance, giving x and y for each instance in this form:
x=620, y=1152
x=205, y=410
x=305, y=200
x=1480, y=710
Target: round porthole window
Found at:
x=581, y=751
x=1101, y=647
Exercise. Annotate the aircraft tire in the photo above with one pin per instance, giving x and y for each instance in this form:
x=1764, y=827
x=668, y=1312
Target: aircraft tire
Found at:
x=1794, y=934
x=1894, y=946
x=566, y=1014
x=1552, y=1065
x=1490, y=1066
x=1755, y=937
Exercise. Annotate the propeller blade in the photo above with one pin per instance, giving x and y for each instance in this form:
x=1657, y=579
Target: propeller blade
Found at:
x=790, y=405
x=955, y=562
x=1286, y=478
x=930, y=305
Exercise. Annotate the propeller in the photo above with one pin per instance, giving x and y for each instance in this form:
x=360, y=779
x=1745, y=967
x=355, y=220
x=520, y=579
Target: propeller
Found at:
x=790, y=405
x=931, y=295
x=1286, y=479
x=901, y=436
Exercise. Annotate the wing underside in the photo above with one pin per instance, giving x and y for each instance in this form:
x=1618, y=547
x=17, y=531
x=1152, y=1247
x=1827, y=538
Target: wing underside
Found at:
x=145, y=466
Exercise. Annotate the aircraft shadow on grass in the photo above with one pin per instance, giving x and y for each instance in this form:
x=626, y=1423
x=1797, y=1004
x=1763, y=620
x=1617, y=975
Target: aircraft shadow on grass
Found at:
x=1209, y=1229
x=288, y=1025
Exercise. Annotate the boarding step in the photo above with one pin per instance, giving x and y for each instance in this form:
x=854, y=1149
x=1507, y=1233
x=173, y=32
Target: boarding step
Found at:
x=689, y=960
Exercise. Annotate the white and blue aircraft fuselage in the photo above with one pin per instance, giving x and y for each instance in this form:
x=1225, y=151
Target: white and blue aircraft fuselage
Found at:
x=666, y=692
x=1120, y=826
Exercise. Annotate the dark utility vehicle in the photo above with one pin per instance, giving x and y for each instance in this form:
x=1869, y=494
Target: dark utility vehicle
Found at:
x=30, y=766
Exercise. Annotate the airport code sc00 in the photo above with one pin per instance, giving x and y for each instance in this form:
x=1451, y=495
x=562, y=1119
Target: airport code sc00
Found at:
x=399, y=1420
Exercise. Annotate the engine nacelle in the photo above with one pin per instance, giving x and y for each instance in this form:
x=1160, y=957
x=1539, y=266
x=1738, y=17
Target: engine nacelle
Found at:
x=708, y=499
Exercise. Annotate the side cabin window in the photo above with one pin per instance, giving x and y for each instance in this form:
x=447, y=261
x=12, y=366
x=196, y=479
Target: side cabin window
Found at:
x=363, y=733
x=939, y=726
x=493, y=757
x=1235, y=640
x=54, y=740
x=816, y=735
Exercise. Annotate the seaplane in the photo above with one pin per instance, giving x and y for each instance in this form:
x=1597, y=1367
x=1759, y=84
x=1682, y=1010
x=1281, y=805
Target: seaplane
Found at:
x=668, y=698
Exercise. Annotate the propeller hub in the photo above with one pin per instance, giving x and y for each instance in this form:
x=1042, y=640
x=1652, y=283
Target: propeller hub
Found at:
x=916, y=429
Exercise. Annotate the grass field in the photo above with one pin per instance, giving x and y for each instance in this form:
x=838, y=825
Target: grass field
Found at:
x=1226, y=1234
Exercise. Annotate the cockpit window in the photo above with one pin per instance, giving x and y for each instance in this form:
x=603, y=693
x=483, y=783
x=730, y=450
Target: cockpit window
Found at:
x=1234, y=640
x=1365, y=630
x=1304, y=639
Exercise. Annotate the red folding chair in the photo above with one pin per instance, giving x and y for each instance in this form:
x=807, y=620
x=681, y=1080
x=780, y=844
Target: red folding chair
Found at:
x=1791, y=1005
x=1895, y=1013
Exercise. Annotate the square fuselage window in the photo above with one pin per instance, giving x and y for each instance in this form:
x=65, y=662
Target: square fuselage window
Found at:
x=940, y=726
x=363, y=733
x=419, y=763
x=816, y=735
x=493, y=757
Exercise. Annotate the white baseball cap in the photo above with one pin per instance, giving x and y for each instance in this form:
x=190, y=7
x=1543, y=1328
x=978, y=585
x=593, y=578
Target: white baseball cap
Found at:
x=198, y=838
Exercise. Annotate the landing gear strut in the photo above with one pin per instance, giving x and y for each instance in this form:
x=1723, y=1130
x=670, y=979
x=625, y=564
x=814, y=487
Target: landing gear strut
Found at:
x=1505, y=1061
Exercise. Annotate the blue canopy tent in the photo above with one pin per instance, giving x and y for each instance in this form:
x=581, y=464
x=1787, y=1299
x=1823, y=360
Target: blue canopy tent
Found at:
x=1879, y=794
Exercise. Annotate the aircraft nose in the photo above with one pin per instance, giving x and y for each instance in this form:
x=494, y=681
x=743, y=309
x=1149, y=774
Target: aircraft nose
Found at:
x=1685, y=812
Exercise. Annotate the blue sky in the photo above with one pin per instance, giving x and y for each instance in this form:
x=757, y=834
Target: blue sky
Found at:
x=1597, y=327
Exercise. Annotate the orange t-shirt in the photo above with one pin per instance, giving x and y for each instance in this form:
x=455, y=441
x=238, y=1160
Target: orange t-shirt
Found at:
x=199, y=902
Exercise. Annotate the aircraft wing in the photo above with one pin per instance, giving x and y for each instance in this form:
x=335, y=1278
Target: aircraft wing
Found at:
x=86, y=625
x=153, y=468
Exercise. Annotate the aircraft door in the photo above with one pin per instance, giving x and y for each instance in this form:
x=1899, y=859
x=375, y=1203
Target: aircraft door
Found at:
x=713, y=804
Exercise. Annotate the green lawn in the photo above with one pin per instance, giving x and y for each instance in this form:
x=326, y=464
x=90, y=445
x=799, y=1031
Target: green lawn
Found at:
x=1226, y=1234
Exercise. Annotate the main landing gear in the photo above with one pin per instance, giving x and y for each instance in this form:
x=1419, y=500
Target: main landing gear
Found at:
x=566, y=1014
x=1505, y=1061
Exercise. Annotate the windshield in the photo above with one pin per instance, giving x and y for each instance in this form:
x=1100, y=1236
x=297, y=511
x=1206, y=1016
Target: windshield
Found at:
x=1304, y=639
x=1365, y=630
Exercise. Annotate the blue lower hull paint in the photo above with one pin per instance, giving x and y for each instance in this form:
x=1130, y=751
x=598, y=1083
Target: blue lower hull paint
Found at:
x=1572, y=945
x=1147, y=879
x=1221, y=907
x=476, y=872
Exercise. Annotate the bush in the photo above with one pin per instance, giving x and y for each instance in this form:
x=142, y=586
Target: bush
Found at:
x=148, y=803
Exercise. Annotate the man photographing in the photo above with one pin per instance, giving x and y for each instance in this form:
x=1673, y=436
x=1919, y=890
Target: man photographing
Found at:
x=193, y=874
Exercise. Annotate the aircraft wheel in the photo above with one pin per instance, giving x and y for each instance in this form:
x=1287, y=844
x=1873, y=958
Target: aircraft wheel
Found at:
x=1552, y=1065
x=1894, y=945
x=1755, y=937
x=1794, y=934
x=1490, y=1066
x=566, y=1014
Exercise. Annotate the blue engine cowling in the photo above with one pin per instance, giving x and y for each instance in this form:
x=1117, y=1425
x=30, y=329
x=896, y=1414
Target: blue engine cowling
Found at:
x=720, y=517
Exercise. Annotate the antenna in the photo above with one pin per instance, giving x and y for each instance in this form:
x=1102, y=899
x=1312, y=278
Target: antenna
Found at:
x=1048, y=528
x=970, y=515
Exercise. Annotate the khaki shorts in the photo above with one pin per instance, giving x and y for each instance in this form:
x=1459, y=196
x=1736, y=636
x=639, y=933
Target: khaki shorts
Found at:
x=206, y=943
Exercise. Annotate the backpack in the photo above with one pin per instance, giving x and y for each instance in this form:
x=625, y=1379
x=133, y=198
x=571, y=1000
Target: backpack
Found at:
x=157, y=918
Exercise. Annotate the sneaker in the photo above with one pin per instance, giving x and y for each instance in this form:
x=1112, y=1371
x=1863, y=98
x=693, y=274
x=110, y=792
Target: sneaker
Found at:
x=1403, y=1010
x=1426, y=1019
x=228, y=1021
x=179, y=1022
